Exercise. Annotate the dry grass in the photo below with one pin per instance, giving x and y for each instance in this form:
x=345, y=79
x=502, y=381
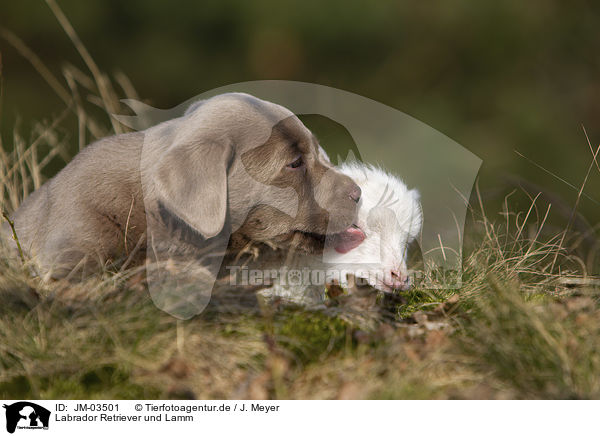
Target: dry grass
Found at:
x=516, y=329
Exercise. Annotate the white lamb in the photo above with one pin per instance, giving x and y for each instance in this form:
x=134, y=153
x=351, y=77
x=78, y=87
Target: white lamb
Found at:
x=390, y=217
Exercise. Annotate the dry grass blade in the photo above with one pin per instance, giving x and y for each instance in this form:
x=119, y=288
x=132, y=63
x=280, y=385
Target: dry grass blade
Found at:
x=570, y=185
x=104, y=87
x=579, y=195
x=37, y=63
x=587, y=138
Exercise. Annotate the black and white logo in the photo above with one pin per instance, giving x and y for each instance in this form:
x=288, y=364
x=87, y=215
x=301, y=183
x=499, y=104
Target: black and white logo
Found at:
x=26, y=415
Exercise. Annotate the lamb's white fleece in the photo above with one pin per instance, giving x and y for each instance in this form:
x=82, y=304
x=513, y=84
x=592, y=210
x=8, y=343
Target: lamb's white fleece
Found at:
x=390, y=215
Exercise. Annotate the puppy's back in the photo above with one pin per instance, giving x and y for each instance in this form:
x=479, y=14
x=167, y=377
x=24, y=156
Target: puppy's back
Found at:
x=80, y=209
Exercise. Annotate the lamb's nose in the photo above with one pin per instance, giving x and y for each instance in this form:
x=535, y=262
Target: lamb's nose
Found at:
x=355, y=193
x=400, y=281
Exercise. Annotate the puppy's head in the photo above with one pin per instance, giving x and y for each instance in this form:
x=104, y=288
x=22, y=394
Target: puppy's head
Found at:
x=253, y=164
x=292, y=161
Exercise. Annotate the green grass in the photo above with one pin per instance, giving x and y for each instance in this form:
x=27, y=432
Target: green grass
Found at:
x=497, y=337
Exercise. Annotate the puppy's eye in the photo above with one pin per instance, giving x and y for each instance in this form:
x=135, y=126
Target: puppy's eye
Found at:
x=297, y=163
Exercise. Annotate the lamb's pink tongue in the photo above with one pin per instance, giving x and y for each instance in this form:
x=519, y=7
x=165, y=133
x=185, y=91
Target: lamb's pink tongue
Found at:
x=347, y=240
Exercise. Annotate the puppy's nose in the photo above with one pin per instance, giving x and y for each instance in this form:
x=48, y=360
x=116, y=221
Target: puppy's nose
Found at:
x=355, y=193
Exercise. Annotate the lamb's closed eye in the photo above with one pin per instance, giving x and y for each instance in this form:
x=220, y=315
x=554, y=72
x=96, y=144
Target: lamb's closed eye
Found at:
x=380, y=219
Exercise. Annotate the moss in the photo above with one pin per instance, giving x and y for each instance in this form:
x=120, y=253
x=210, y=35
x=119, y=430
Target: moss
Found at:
x=16, y=387
x=312, y=336
x=421, y=299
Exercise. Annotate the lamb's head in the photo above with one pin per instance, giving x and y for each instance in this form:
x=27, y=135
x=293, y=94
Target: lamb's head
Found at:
x=391, y=218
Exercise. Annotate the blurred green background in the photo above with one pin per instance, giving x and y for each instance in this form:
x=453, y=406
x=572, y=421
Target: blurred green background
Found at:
x=494, y=76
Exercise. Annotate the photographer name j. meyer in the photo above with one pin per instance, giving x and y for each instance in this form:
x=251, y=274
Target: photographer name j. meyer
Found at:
x=149, y=407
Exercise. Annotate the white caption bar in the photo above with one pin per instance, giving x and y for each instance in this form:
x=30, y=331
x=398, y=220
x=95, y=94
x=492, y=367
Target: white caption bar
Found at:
x=23, y=417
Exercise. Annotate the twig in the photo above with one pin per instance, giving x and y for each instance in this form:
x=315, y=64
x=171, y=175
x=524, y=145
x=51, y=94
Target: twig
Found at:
x=14, y=235
x=127, y=225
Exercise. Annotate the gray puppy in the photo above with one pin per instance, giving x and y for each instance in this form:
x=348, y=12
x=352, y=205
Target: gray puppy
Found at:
x=232, y=163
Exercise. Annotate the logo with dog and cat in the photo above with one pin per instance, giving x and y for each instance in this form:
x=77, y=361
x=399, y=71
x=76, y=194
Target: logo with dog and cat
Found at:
x=25, y=415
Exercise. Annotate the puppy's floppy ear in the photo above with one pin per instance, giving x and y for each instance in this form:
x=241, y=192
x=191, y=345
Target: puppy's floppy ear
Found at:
x=191, y=182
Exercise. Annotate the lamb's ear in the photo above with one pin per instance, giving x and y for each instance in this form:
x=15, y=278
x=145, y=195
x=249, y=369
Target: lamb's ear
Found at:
x=191, y=182
x=415, y=194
